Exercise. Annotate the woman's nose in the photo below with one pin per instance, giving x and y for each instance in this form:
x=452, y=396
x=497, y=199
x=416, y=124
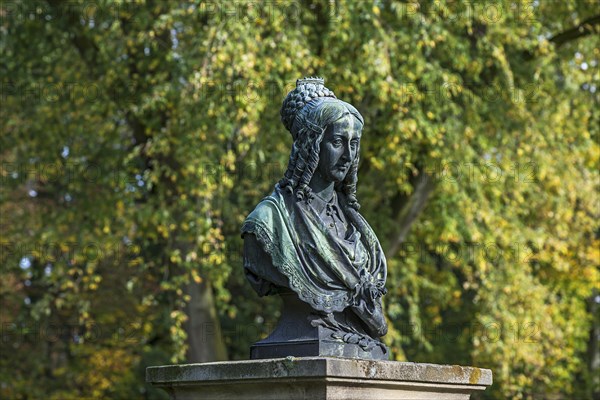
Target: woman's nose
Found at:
x=347, y=155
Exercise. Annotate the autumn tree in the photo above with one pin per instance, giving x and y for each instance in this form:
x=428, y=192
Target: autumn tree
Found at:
x=136, y=137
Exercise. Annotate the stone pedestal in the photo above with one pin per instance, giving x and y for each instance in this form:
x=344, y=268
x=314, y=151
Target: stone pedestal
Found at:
x=318, y=378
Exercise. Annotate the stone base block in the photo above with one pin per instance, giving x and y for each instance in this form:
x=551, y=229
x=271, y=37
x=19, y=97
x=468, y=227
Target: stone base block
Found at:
x=318, y=344
x=318, y=378
x=296, y=336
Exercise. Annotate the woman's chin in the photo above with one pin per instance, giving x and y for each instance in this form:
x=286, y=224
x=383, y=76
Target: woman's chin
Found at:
x=337, y=178
x=339, y=175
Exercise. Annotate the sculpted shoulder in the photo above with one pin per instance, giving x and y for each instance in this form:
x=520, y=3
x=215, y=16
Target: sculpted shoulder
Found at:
x=264, y=213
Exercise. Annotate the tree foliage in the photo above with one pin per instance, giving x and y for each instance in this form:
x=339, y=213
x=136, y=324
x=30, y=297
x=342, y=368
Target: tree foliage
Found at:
x=137, y=136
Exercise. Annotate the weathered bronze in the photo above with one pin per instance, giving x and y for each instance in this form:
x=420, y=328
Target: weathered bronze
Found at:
x=308, y=243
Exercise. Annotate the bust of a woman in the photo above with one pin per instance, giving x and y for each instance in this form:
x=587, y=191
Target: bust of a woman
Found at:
x=308, y=243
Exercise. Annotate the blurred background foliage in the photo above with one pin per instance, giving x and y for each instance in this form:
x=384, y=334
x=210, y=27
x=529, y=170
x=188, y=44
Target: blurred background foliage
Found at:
x=136, y=137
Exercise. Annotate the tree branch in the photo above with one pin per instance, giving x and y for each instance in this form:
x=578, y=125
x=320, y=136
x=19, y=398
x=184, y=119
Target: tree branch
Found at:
x=411, y=210
x=585, y=28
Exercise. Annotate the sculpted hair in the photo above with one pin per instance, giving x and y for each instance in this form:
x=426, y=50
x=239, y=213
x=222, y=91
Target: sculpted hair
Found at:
x=308, y=126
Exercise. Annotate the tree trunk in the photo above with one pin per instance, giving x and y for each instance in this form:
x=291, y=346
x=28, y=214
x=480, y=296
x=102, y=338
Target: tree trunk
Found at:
x=203, y=326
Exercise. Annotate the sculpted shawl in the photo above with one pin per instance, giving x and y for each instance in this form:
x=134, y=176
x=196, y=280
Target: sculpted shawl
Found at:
x=328, y=272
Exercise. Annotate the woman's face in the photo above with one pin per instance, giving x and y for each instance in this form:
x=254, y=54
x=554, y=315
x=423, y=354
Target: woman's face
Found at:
x=339, y=148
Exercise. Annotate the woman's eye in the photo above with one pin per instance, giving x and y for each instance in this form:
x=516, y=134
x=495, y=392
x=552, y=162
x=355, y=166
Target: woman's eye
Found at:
x=337, y=142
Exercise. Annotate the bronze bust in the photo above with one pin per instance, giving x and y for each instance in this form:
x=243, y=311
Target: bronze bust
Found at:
x=308, y=243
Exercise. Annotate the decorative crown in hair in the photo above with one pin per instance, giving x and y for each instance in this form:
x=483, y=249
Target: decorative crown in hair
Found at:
x=315, y=80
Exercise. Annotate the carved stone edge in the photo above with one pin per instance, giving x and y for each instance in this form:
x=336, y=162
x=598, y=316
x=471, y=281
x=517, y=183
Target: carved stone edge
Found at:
x=318, y=367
